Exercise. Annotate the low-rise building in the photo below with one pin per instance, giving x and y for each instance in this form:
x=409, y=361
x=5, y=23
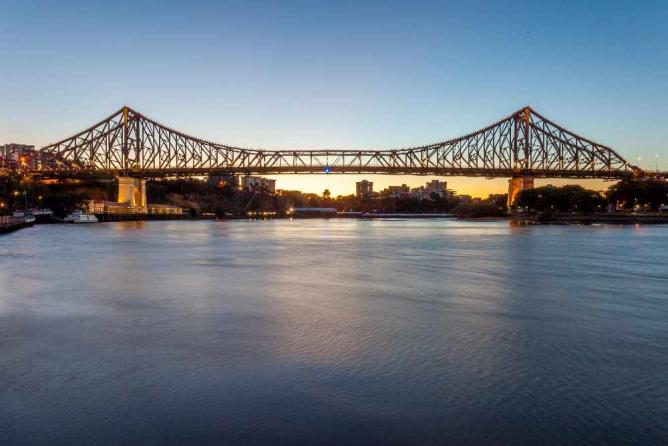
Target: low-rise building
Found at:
x=115, y=208
x=395, y=191
x=164, y=209
x=222, y=180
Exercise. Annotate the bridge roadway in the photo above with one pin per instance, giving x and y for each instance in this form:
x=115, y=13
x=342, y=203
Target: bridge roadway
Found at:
x=319, y=170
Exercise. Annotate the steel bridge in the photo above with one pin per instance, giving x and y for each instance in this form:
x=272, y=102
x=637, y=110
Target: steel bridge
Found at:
x=524, y=144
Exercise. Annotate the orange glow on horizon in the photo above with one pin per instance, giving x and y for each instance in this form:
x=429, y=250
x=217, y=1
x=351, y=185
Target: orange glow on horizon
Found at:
x=476, y=187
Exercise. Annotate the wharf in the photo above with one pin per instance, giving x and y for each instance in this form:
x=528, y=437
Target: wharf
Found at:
x=147, y=217
x=10, y=224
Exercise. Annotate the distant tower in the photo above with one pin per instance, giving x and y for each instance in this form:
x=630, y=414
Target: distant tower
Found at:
x=364, y=189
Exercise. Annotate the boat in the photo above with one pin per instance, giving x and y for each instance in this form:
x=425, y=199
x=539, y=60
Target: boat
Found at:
x=80, y=217
x=27, y=216
x=43, y=215
x=37, y=215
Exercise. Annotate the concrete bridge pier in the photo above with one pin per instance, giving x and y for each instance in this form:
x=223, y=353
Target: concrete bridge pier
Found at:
x=132, y=192
x=517, y=185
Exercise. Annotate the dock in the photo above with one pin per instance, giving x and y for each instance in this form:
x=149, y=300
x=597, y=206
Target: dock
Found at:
x=10, y=224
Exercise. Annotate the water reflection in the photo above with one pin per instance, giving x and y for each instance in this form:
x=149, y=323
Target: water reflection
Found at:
x=302, y=331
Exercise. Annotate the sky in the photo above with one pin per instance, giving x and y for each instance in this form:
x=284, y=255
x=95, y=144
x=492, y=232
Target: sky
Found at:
x=339, y=75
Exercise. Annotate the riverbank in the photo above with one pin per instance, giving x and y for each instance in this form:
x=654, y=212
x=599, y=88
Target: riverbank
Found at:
x=609, y=218
x=150, y=217
x=11, y=224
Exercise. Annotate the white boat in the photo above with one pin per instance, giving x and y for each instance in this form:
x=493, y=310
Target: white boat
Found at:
x=80, y=217
x=27, y=216
x=37, y=215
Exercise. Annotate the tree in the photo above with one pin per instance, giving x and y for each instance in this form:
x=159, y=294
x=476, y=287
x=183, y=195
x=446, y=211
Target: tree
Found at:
x=326, y=194
x=562, y=199
x=644, y=192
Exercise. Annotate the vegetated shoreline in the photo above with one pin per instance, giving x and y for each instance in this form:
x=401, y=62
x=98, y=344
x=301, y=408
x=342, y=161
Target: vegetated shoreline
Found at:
x=519, y=219
x=591, y=218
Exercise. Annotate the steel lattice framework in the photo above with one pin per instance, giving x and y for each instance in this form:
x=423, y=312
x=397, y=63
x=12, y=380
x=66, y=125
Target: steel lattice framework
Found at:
x=522, y=144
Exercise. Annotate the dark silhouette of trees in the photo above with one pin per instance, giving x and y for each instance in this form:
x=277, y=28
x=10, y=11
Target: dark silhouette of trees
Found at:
x=569, y=198
x=644, y=192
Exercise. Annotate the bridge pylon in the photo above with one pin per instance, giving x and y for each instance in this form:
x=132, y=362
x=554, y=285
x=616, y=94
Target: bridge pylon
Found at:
x=517, y=185
x=132, y=192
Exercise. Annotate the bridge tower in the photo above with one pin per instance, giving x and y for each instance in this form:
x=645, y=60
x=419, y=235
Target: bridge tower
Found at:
x=519, y=182
x=132, y=192
x=517, y=185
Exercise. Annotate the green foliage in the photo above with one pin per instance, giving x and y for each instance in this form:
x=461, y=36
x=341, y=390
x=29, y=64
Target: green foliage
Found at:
x=570, y=198
x=196, y=195
x=61, y=197
x=478, y=209
x=646, y=192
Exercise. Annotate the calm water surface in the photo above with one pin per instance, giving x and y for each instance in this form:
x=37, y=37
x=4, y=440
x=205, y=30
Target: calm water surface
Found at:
x=334, y=332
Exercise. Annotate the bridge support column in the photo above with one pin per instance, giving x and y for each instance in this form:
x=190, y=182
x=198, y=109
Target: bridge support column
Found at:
x=132, y=192
x=517, y=185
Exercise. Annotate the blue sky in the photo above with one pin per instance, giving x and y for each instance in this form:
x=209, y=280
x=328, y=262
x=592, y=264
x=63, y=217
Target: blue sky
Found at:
x=330, y=74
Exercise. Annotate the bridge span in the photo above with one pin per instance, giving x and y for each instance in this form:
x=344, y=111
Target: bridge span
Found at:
x=522, y=146
x=523, y=143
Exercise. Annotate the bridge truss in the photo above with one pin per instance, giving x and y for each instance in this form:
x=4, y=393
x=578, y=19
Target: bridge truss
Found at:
x=523, y=144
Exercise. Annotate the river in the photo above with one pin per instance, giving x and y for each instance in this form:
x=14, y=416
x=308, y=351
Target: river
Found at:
x=334, y=331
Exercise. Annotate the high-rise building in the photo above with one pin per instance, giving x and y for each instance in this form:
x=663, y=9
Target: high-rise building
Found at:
x=437, y=187
x=222, y=180
x=364, y=189
x=395, y=191
x=258, y=184
x=17, y=155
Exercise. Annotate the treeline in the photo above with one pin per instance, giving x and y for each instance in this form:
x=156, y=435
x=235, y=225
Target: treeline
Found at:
x=17, y=192
x=631, y=194
x=571, y=198
x=649, y=194
x=201, y=196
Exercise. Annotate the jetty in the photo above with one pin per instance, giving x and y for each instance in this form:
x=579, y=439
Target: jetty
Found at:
x=10, y=224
